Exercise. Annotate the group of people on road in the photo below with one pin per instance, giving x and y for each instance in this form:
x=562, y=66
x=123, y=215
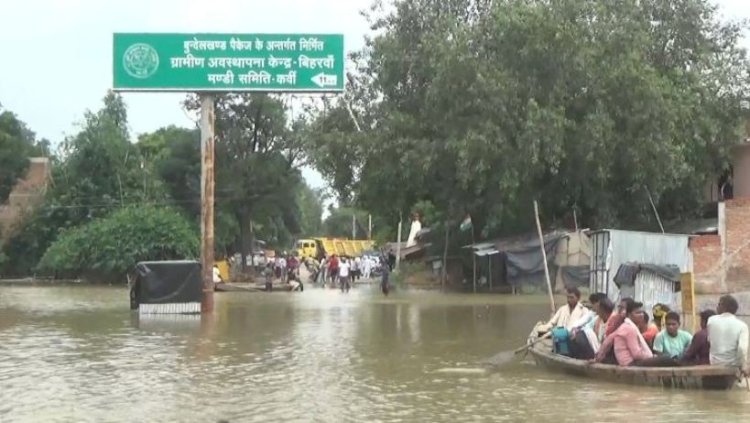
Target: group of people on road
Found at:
x=339, y=271
x=343, y=271
x=625, y=335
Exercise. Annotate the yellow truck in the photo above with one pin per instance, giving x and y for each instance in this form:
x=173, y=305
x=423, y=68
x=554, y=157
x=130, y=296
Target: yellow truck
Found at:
x=318, y=247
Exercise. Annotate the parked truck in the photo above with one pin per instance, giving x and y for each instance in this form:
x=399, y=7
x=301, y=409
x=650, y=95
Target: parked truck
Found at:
x=318, y=247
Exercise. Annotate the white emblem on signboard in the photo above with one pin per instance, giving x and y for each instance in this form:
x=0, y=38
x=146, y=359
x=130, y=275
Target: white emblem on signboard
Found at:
x=140, y=61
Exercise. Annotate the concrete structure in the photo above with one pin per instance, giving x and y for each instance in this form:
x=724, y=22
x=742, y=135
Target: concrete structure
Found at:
x=722, y=261
x=25, y=195
x=741, y=170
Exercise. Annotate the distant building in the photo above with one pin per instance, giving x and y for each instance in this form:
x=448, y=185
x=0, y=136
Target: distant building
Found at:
x=722, y=259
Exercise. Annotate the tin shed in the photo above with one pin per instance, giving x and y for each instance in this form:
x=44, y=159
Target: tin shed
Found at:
x=650, y=284
x=612, y=248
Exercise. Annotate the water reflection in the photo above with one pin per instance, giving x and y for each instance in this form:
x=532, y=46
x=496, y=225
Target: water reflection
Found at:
x=78, y=354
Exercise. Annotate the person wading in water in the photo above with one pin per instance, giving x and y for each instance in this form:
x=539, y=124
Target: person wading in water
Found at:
x=385, y=276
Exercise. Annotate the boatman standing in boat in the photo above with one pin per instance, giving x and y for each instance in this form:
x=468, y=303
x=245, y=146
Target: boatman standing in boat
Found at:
x=728, y=336
x=569, y=314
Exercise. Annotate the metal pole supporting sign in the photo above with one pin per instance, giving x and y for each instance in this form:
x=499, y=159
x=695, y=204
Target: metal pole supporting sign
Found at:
x=207, y=201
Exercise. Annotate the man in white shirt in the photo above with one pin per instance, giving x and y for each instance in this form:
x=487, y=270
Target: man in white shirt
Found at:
x=416, y=226
x=728, y=336
x=366, y=267
x=217, y=275
x=569, y=314
x=344, y=267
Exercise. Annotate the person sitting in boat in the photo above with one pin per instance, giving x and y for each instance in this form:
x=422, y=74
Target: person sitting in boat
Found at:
x=590, y=318
x=567, y=315
x=586, y=338
x=648, y=330
x=697, y=353
x=629, y=346
x=660, y=314
x=606, y=312
x=616, y=320
x=728, y=336
x=672, y=341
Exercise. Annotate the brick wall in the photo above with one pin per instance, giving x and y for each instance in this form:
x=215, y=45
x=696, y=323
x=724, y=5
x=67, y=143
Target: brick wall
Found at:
x=712, y=275
x=706, y=251
x=24, y=196
x=737, y=261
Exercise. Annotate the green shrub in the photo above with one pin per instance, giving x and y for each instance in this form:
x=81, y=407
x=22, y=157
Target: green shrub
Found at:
x=107, y=248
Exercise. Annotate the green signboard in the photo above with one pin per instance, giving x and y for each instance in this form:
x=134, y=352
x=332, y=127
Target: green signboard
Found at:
x=228, y=62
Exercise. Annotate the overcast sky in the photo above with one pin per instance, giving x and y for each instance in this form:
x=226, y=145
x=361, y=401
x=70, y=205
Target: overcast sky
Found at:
x=56, y=54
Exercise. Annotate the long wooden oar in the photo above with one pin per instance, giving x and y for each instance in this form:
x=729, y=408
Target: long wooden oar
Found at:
x=505, y=357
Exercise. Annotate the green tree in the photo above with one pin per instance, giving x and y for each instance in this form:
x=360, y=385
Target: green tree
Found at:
x=480, y=107
x=107, y=248
x=257, y=150
x=310, y=203
x=98, y=170
x=173, y=155
x=340, y=221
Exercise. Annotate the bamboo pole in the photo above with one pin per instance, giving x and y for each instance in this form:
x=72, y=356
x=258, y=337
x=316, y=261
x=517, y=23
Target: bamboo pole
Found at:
x=544, y=258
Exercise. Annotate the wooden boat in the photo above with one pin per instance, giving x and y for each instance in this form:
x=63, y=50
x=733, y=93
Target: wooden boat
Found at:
x=687, y=377
x=228, y=287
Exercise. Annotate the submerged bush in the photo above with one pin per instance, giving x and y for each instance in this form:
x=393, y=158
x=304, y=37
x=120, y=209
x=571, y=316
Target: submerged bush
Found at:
x=107, y=248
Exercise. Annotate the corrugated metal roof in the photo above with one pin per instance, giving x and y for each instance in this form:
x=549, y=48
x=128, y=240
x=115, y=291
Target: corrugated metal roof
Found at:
x=635, y=232
x=516, y=242
x=480, y=245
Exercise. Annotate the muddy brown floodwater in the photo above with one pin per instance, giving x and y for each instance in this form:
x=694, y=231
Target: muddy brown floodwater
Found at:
x=76, y=354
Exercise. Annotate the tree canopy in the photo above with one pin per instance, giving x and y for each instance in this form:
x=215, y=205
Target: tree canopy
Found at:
x=17, y=144
x=482, y=106
x=452, y=108
x=108, y=194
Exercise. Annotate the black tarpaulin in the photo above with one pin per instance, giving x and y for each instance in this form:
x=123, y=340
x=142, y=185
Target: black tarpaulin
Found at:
x=627, y=272
x=524, y=261
x=577, y=276
x=166, y=282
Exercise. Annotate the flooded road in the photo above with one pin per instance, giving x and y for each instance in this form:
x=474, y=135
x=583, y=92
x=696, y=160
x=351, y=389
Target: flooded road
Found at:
x=76, y=354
